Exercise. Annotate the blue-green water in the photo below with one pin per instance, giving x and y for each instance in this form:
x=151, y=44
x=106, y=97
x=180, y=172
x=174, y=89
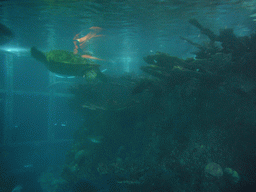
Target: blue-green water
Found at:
x=155, y=123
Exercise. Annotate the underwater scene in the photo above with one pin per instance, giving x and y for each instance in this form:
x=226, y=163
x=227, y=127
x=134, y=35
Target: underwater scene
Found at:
x=127, y=95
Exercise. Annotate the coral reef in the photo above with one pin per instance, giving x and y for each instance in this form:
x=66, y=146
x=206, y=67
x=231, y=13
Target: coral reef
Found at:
x=213, y=169
x=174, y=129
x=242, y=49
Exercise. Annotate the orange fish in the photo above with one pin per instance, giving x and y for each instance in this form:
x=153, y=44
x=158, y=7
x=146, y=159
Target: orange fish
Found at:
x=89, y=35
x=76, y=36
x=91, y=57
x=76, y=48
x=84, y=39
x=96, y=28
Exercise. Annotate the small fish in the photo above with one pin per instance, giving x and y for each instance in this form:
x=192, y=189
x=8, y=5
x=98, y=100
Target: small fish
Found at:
x=95, y=139
x=104, y=70
x=107, y=183
x=29, y=166
x=64, y=77
x=17, y=188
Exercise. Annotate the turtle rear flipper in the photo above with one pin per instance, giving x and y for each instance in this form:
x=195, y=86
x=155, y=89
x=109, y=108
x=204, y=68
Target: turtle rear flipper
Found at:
x=38, y=55
x=6, y=34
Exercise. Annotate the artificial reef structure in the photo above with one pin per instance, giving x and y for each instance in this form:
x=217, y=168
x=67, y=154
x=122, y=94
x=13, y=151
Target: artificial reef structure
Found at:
x=225, y=55
x=185, y=125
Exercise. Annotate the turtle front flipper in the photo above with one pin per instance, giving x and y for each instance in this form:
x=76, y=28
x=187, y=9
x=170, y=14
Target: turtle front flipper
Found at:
x=94, y=73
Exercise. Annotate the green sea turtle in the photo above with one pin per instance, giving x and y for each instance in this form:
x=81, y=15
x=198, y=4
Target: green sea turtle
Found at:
x=66, y=63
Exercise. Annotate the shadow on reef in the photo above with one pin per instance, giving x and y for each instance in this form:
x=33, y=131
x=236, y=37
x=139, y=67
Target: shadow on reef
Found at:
x=187, y=125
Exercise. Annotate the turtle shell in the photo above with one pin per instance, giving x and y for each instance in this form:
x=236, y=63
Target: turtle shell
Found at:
x=66, y=63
